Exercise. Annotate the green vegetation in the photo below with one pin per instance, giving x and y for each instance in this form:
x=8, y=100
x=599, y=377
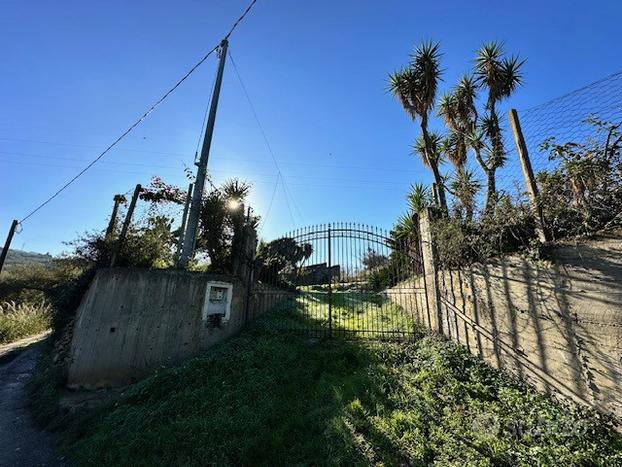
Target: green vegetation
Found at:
x=32, y=295
x=269, y=397
x=355, y=313
x=20, y=257
x=23, y=320
x=581, y=195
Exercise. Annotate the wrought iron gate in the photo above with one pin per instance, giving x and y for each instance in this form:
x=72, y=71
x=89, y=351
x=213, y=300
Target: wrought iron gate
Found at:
x=342, y=280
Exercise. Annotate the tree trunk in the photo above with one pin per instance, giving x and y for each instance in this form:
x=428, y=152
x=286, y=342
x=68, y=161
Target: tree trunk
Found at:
x=440, y=187
x=491, y=193
x=432, y=161
x=469, y=212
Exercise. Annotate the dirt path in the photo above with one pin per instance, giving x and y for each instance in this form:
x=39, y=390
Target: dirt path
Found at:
x=21, y=441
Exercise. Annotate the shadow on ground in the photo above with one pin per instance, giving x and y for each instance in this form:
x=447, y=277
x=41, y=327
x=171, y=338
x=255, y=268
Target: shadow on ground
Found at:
x=269, y=397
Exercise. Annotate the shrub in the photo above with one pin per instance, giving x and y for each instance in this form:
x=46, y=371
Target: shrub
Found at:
x=144, y=247
x=22, y=320
x=510, y=228
x=583, y=194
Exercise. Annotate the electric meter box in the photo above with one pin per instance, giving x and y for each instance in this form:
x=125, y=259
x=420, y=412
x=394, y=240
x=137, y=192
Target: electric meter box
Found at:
x=218, y=297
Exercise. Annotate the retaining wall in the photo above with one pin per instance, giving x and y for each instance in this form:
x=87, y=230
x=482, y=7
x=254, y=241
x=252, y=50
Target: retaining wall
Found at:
x=132, y=321
x=556, y=324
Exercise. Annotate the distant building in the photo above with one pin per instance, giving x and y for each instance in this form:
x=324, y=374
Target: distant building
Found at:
x=318, y=274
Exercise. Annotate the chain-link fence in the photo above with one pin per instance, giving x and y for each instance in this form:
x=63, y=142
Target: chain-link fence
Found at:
x=567, y=120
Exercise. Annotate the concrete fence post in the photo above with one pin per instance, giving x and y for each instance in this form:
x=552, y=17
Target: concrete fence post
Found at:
x=126, y=226
x=429, y=265
x=530, y=179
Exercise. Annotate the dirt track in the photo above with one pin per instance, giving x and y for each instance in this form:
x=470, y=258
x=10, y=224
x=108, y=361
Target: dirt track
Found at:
x=22, y=443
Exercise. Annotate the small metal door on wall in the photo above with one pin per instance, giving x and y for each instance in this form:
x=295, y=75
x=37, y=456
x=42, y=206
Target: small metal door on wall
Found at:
x=342, y=280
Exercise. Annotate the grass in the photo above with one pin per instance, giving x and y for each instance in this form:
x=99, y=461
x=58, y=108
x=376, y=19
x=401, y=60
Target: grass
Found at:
x=354, y=313
x=268, y=397
x=22, y=320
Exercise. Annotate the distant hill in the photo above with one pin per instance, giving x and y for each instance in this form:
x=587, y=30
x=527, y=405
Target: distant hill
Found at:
x=19, y=257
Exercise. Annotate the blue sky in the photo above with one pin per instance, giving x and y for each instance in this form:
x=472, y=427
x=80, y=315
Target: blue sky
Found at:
x=75, y=74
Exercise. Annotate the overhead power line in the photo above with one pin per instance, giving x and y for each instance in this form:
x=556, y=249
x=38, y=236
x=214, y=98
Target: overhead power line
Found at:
x=141, y=118
x=286, y=190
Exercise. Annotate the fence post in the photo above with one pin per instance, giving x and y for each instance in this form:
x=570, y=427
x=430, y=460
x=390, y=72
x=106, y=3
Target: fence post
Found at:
x=182, y=229
x=7, y=244
x=126, y=225
x=430, y=276
x=250, y=250
x=530, y=179
x=113, y=218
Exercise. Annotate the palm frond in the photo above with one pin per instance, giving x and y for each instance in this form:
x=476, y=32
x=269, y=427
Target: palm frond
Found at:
x=235, y=189
x=512, y=74
x=418, y=198
x=425, y=64
x=403, y=85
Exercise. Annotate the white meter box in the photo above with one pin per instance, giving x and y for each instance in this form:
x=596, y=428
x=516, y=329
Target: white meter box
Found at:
x=218, y=297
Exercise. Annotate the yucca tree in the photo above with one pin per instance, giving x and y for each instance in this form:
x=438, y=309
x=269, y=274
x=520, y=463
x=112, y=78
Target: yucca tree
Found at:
x=418, y=198
x=433, y=156
x=406, y=230
x=415, y=86
x=465, y=187
x=458, y=110
x=501, y=76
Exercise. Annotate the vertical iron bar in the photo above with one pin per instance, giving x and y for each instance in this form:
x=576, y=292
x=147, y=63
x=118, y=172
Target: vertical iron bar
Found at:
x=330, y=288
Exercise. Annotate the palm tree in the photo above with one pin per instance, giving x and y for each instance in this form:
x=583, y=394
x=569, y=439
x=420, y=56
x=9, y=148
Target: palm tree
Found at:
x=432, y=156
x=458, y=110
x=501, y=76
x=465, y=187
x=415, y=87
x=418, y=198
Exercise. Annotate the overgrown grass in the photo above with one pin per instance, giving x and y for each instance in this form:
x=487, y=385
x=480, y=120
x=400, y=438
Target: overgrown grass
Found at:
x=22, y=320
x=268, y=397
x=354, y=312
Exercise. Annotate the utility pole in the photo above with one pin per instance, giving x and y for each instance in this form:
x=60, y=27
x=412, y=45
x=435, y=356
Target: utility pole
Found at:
x=7, y=244
x=197, y=196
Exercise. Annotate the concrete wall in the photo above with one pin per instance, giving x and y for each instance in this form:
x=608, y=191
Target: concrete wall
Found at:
x=556, y=324
x=132, y=321
x=266, y=297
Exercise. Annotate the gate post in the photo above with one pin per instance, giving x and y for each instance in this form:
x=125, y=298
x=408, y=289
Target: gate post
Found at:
x=430, y=276
x=330, y=287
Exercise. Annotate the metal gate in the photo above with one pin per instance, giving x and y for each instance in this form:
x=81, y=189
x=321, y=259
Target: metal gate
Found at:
x=341, y=280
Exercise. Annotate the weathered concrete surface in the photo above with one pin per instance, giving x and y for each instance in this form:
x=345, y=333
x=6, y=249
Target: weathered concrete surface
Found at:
x=557, y=324
x=265, y=297
x=412, y=296
x=21, y=441
x=132, y=321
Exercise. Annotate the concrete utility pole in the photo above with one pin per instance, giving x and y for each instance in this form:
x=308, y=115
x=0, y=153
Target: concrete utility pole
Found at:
x=7, y=244
x=190, y=236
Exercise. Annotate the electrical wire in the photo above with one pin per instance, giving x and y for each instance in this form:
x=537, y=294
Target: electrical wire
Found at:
x=265, y=218
x=280, y=177
x=286, y=191
x=141, y=118
x=247, y=159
